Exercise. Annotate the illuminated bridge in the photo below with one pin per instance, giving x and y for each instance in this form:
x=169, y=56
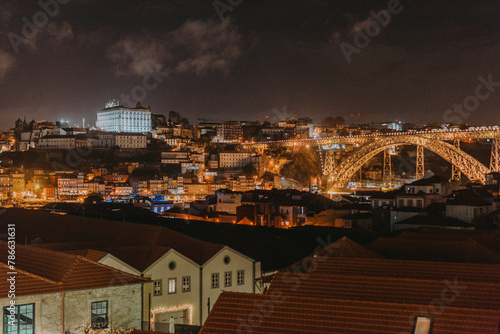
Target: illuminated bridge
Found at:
x=445, y=143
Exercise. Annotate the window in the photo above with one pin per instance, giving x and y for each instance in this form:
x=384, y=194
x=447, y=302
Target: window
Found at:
x=215, y=280
x=157, y=287
x=172, y=282
x=172, y=265
x=22, y=319
x=99, y=314
x=423, y=325
x=240, y=277
x=186, y=284
x=228, y=278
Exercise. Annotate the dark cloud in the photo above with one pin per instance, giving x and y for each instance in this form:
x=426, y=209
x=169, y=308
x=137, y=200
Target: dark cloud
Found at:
x=6, y=62
x=197, y=46
x=267, y=55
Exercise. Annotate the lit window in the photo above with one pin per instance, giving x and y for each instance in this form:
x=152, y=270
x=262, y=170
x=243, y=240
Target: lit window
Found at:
x=228, y=278
x=99, y=314
x=215, y=280
x=172, y=282
x=157, y=287
x=186, y=284
x=240, y=276
x=24, y=321
x=423, y=325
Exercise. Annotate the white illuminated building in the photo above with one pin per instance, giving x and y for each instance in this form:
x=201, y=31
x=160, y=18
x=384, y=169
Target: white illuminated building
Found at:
x=117, y=118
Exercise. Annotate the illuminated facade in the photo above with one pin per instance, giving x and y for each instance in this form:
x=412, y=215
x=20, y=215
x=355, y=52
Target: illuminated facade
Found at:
x=117, y=118
x=183, y=287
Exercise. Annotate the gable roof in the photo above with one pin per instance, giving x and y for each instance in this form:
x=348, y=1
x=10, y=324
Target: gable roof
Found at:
x=429, y=181
x=342, y=248
x=90, y=254
x=477, y=295
x=73, y=233
x=44, y=271
x=434, y=221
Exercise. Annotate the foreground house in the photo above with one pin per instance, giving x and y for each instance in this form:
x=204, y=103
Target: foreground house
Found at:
x=52, y=292
x=188, y=274
x=186, y=284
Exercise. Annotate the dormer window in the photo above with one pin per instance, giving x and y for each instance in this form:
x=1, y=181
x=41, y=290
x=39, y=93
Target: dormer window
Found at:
x=423, y=325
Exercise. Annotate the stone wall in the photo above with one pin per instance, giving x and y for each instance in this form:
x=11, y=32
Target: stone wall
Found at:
x=124, y=308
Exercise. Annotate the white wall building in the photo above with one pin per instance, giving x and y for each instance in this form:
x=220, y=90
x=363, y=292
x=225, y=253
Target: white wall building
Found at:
x=117, y=118
x=228, y=201
x=57, y=142
x=130, y=140
x=235, y=159
x=186, y=284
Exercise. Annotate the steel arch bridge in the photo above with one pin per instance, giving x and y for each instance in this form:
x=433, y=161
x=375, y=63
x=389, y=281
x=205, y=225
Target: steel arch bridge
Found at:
x=371, y=144
x=467, y=164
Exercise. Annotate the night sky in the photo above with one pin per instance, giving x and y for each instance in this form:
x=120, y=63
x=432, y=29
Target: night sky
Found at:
x=276, y=58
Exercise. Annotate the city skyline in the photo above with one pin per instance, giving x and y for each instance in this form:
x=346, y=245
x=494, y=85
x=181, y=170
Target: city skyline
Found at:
x=284, y=58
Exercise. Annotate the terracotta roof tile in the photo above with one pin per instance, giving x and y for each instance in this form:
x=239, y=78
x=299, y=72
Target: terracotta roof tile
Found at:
x=76, y=234
x=342, y=248
x=426, y=270
x=262, y=314
x=89, y=254
x=478, y=295
x=45, y=271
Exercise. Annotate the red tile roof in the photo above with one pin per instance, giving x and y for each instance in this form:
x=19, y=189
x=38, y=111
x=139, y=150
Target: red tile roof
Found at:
x=342, y=248
x=425, y=270
x=89, y=254
x=477, y=295
x=262, y=314
x=332, y=294
x=76, y=234
x=44, y=271
x=139, y=257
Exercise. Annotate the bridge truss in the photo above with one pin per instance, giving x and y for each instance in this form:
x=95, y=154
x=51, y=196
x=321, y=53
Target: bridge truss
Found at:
x=370, y=145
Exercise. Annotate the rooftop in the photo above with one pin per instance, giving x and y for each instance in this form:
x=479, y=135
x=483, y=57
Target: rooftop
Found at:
x=136, y=244
x=292, y=314
x=45, y=271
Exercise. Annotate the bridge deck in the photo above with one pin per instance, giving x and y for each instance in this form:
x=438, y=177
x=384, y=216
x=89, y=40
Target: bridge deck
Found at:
x=485, y=132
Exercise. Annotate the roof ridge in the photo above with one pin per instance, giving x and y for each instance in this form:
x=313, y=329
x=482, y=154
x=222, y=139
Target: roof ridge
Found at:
x=421, y=263
x=112, y=268
x=423, y=280
x=355, y=300
x=71, y=269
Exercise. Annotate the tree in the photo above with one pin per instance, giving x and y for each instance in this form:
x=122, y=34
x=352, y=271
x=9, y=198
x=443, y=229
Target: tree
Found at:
x=305, y=120
x=248, y=169
x=305, y=164
x=184, y=121
x=174, y=116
